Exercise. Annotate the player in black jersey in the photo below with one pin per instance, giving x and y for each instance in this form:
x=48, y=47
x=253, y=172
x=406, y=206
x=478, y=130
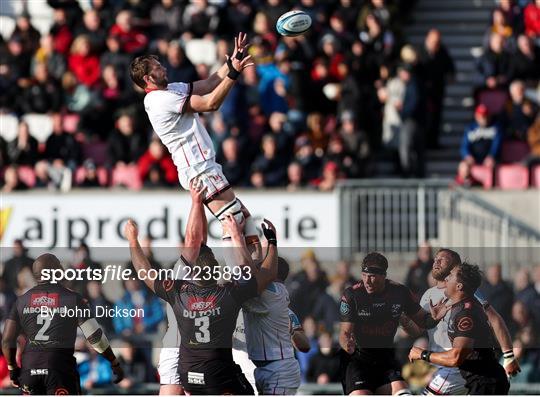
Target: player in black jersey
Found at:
x=472, y=340
x=205, y=311
x=48, y=365
x=370, y=313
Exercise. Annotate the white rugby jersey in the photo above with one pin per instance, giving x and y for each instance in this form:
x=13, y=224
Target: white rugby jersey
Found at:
x=267, y=322
x=182, y=133
x=438, y=336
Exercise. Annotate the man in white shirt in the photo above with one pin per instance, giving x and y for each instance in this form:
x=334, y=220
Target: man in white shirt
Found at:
x=173, y=112
x=447, y=380
x=272, y=332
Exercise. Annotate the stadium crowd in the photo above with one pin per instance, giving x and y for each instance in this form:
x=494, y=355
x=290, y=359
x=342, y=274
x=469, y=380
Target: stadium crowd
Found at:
x=315, y=295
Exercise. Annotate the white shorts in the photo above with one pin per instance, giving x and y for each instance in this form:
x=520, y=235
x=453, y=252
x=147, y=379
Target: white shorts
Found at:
x=278, y=377
x=446, y=381
x=168, y=366
x=209, y=173
x=241, y=358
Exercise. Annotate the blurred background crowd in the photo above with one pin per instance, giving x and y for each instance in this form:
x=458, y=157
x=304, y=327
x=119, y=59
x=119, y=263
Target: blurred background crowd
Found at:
x=315, y=291
x=316, y=109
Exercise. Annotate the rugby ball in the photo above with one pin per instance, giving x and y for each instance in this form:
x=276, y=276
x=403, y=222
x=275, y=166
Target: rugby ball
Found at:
x=293, y=23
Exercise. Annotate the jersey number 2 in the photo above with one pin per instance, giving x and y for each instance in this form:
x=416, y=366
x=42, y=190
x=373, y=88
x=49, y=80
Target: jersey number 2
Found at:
x=46, y=321
x=203, y=336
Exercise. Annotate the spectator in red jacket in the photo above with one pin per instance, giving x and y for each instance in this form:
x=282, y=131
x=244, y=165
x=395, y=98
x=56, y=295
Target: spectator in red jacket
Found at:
x=157, y=155
x=532, y=19
x=83, y=63
x=132, y=39
x=61, y=32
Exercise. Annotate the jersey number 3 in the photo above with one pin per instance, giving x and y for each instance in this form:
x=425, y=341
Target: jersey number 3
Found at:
x=46, y=321
x=203, y=335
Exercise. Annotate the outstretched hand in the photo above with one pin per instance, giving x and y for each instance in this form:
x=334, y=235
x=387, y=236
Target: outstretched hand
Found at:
x=131, y=231
x=197, y=191
x=439, y=310
x=269, y=231
x=233, y=228
x=240, y=60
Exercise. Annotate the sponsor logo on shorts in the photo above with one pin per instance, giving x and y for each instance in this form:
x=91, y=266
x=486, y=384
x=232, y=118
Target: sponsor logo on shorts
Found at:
x=44, y=299
x=196, y=378
x=39, y=371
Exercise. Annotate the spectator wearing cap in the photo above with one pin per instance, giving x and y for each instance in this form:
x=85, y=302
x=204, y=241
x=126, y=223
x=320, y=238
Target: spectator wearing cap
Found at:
x=132, y=40
x=157, y=155
x=23, y=150
x=436, y=69
x=306, y=157
x=482, y=140
x=330, y=176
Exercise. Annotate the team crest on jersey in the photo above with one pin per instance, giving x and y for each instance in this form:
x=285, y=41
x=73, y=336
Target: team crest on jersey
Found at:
x=197, y=304
x=61, y=392
x=465, y=324
x=44, y=299
x=396, y=310
x=344, y=308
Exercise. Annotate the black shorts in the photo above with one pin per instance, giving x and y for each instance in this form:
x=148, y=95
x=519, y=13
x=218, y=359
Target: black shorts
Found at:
x=216, y=379
x=49, y=381
x=496, y=383
x=362, y=375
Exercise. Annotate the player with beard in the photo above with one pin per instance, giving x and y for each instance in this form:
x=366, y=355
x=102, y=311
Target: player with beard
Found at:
x=173, y=110
x=370, y=314
x=48, y=365
x=448, y=380
x=206, y=312
x=472, y=343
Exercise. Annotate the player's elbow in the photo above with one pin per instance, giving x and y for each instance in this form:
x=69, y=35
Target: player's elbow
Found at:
x=457, y=357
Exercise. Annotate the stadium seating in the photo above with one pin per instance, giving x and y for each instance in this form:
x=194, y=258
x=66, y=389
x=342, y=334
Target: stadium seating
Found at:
x=514, y=152
x=8, y=125
x=70, y=122
x=102, y=174
x=96, y=151
x=127, y=176
x=40, y=125
x=512, y=176
x=484, y=175
x=26, y=174
x=535, y=180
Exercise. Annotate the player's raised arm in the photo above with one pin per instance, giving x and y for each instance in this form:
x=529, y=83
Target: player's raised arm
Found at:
x=9, y=348
x=213, y=100
x=510, y=363
x=197, y=225
x=206, y=86
x=138, y=258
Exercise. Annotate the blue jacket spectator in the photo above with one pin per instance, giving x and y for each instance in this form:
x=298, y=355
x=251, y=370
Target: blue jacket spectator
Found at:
x=96, y=371
x=138, y=297
x=481, y=139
